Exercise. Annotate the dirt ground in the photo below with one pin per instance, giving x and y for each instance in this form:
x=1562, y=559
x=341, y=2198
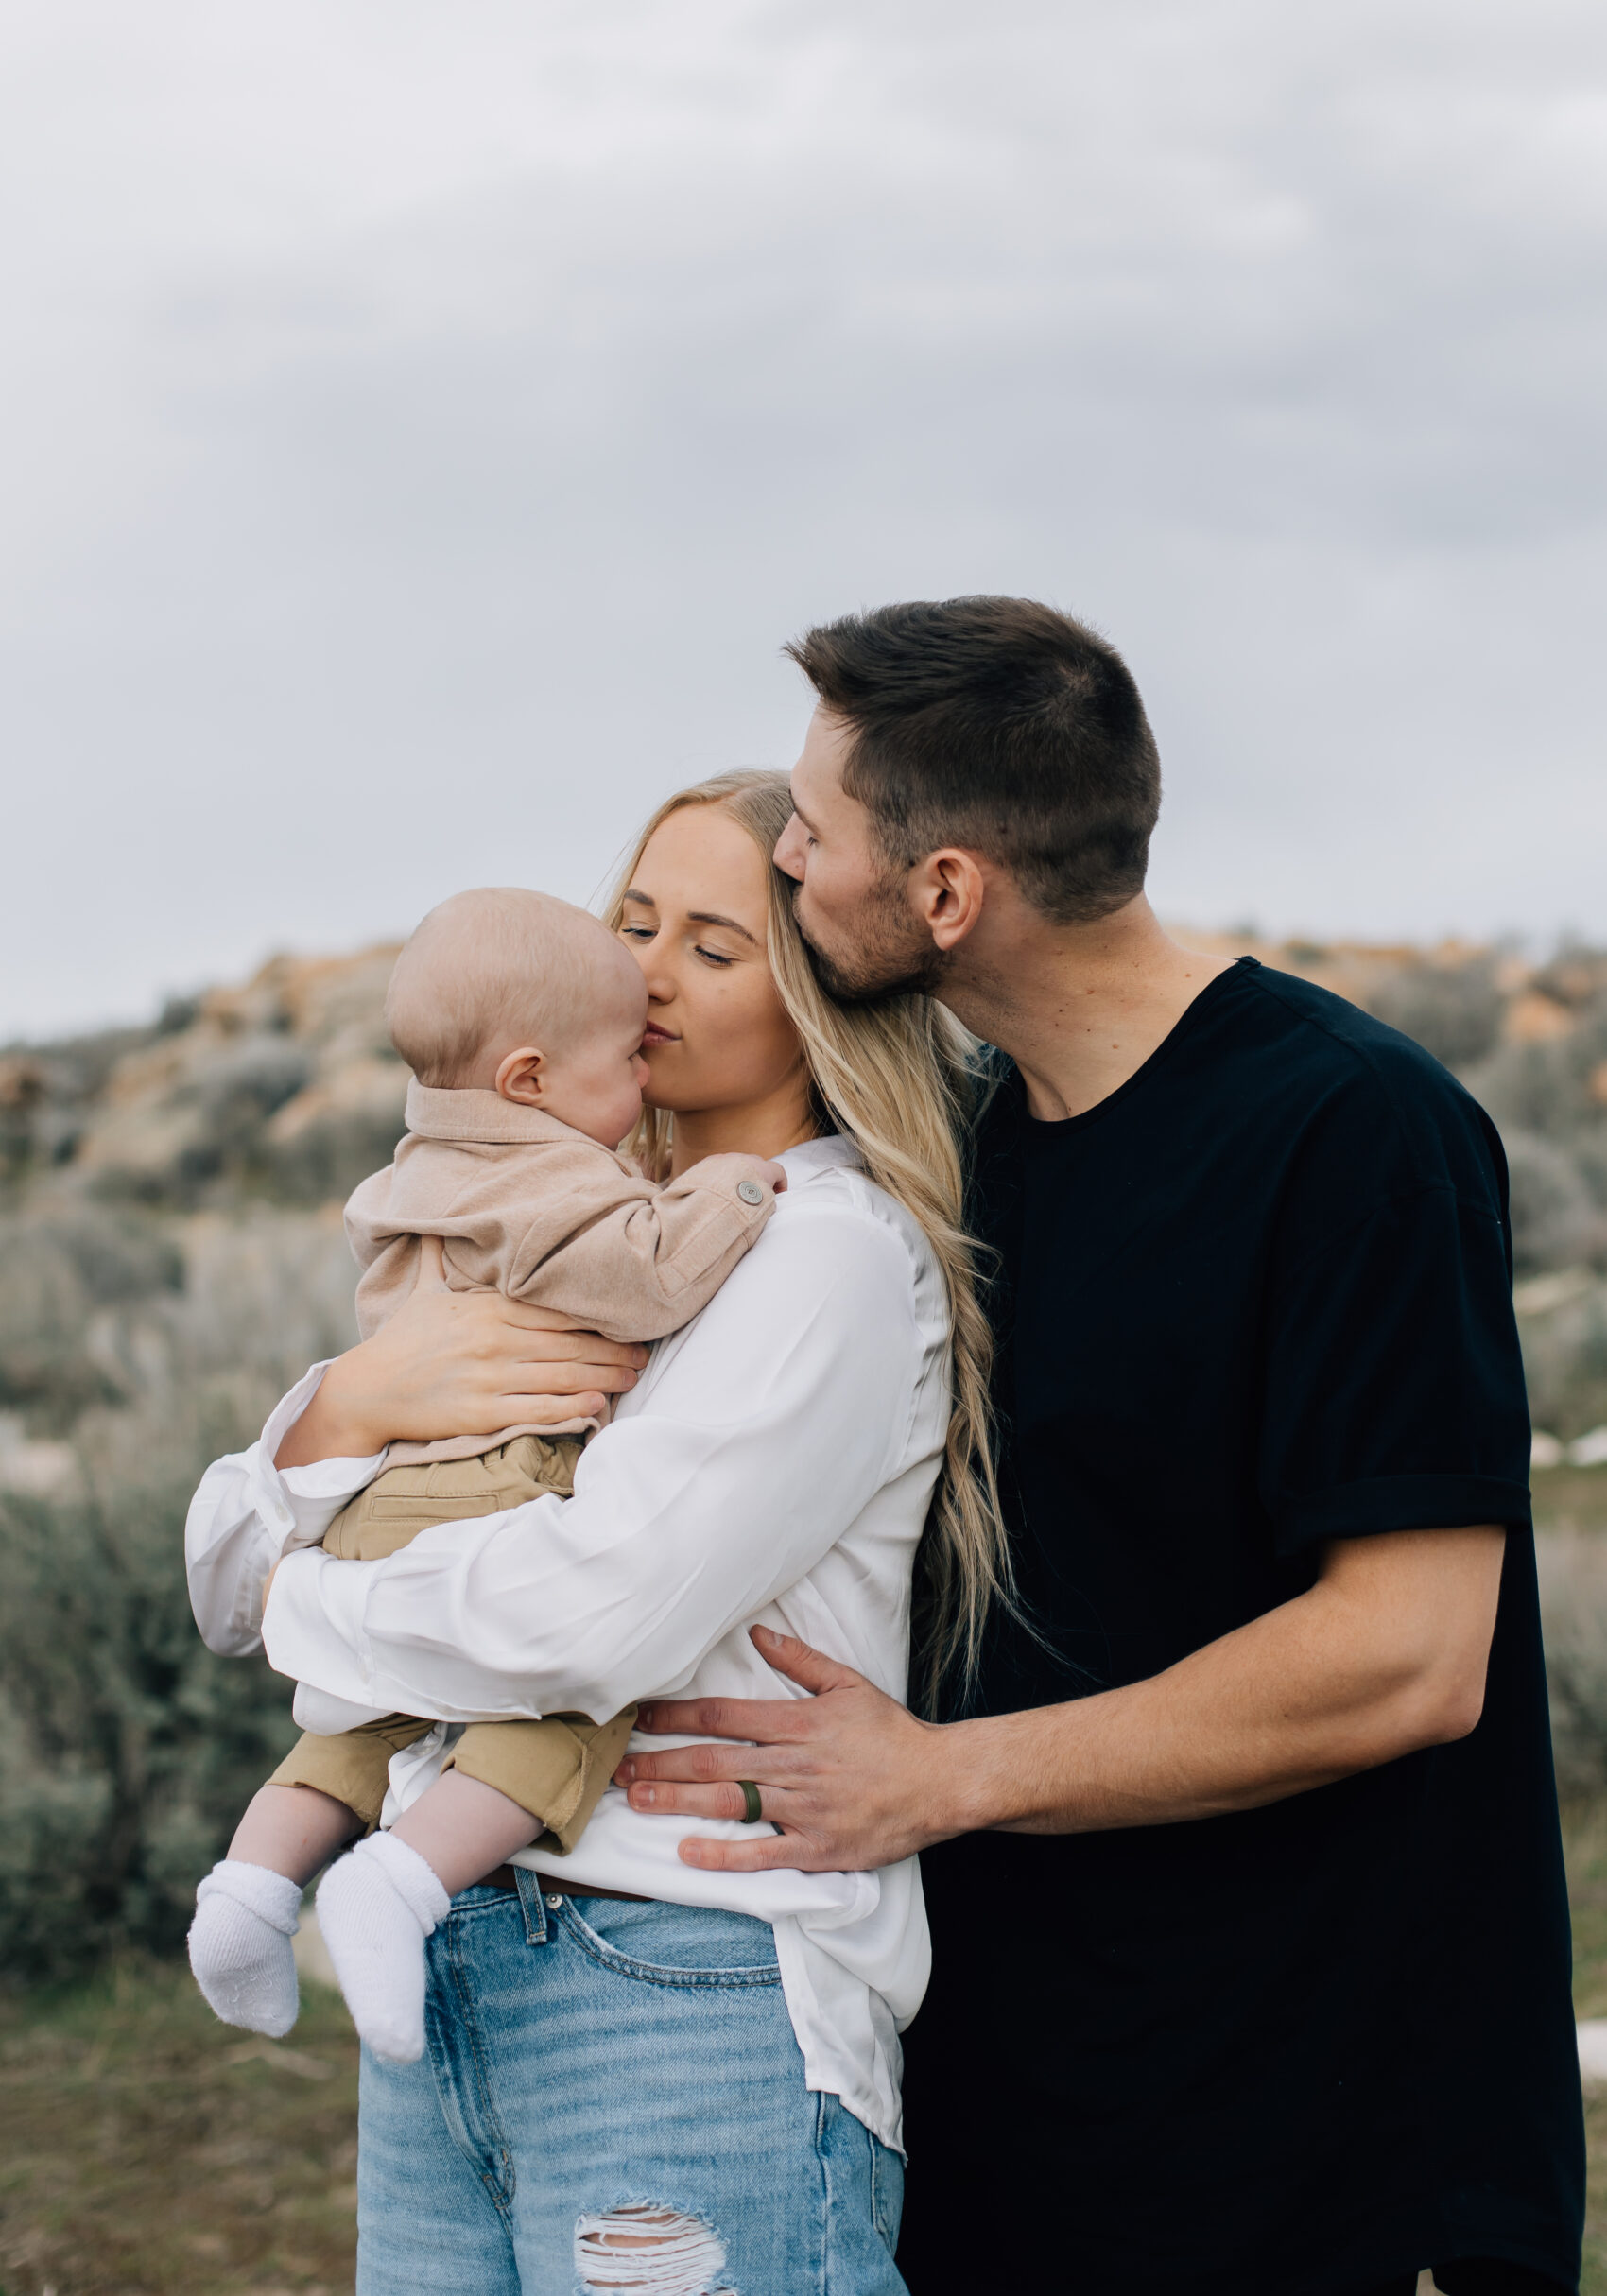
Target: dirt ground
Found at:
x=145, y=2146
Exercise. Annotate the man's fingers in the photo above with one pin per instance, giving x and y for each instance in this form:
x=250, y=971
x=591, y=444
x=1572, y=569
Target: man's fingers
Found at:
x=771, y=1721
x=766, y=1721
x=760, y=1856
x=721, y=1800
x=802, y=1662
x=704, y=1763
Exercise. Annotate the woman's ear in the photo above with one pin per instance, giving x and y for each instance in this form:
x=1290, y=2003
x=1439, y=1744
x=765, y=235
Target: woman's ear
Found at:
x=521, y=1077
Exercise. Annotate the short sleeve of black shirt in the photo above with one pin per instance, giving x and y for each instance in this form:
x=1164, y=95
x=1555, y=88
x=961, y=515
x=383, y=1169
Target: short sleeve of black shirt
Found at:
x=1392, y=1383
x=1256, y=1300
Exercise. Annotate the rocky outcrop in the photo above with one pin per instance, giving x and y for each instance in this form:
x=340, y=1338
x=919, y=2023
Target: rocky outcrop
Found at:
x=284, y=1089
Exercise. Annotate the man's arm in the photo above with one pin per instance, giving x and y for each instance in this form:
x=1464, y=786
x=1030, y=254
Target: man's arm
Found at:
x=1386, y=1655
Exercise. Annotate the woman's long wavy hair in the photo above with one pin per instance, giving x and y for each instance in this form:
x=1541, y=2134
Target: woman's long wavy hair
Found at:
x=898, y=1080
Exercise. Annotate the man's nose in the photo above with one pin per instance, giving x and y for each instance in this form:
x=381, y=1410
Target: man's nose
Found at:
x=789, y=856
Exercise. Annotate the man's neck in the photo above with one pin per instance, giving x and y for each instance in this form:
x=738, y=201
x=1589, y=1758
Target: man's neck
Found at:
x=1080, y=1008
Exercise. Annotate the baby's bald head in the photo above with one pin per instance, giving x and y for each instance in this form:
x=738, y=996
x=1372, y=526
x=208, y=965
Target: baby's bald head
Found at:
x=490, y=970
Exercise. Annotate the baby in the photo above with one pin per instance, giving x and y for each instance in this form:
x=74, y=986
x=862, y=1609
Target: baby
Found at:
x=521, y=1019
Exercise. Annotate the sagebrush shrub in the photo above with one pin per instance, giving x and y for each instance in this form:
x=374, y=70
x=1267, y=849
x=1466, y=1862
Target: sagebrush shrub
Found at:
x=127, y=1749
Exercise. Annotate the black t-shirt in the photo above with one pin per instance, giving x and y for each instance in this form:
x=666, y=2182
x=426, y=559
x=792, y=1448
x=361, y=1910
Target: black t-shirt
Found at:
x=1257, y=1298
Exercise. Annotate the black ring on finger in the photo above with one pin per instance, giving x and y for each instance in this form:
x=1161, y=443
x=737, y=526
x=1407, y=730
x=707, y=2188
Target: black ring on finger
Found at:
x=752, y=1808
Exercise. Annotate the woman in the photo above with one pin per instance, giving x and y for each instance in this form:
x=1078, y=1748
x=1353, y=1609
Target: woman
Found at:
x=641, y=2074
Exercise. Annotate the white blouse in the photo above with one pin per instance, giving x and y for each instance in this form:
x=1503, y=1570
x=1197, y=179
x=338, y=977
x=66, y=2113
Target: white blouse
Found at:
x=772, y=1466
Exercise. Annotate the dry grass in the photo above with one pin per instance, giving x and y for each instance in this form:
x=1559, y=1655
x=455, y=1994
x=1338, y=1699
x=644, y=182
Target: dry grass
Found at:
x=146, y=2147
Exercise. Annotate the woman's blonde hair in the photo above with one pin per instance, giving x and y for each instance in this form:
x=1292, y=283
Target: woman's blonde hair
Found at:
x=898, y=1080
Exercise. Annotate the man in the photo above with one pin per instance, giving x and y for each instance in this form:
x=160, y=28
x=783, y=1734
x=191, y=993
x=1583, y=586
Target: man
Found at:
x=1252, y=1952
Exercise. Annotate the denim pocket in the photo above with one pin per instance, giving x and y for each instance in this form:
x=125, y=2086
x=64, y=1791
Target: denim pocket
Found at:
x=887, y=2192
x=863, y=2177
x=660, y=1944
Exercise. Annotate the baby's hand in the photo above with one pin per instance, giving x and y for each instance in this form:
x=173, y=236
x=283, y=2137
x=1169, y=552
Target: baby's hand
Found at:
x=736, y=1172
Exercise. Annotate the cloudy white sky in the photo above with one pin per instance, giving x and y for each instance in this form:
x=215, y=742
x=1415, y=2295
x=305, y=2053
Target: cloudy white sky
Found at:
x=425, y=422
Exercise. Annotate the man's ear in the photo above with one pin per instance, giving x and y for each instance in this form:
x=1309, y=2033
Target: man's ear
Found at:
x=520, y=1077
x=949, y=890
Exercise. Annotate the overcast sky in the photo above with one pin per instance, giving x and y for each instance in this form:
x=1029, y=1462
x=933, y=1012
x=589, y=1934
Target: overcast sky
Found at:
x=425, y=423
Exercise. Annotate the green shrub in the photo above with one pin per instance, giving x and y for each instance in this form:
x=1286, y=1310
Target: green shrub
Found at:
x=127, y=1749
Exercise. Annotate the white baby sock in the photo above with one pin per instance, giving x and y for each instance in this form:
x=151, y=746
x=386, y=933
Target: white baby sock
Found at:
x=240, y=1946
x=374, y=1910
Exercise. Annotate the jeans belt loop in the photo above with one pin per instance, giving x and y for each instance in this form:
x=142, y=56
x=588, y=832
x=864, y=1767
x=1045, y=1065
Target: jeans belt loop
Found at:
x=531, y=1905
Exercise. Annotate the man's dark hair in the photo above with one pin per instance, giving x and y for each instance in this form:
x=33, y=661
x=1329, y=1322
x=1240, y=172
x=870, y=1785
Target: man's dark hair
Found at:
x=1001, y=725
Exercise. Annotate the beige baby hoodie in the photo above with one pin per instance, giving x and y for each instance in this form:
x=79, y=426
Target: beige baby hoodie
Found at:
x=487, y=1196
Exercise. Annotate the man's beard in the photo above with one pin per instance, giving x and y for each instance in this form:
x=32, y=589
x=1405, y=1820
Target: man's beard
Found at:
x=895, y=957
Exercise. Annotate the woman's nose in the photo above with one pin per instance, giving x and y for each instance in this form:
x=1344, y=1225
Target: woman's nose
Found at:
x=661, y=986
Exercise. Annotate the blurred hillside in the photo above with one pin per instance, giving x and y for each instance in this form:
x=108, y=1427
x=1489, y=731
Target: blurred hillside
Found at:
x=169, y=1195
x=171, y=1256
x=169, y=1202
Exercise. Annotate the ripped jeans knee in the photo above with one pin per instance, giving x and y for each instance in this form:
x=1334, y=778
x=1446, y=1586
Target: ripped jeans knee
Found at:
x=644, y=2248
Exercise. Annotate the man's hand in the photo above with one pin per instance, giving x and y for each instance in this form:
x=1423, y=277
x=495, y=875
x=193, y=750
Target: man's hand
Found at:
x=458, y=1363
x=1384, y=1656
x=848, y=1774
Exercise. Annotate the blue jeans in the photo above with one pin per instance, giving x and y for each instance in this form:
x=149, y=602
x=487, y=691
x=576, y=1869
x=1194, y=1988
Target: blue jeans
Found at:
x=612, y=2099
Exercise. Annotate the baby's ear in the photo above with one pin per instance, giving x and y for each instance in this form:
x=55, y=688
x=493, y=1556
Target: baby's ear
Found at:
x=522, y=1076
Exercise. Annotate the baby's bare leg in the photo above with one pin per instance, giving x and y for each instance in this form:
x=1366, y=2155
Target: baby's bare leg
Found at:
x=462, y=1830
x=292, y=1830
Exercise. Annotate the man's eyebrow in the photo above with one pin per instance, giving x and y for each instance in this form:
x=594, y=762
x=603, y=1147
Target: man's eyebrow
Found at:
x=704, y=916
x=803, y=817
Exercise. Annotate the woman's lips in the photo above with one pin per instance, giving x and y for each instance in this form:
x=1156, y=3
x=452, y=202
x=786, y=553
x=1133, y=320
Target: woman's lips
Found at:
x=655, y=1035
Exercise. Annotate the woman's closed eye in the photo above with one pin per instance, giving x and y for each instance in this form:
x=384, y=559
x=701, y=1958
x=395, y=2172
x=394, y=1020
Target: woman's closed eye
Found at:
x=714, y=957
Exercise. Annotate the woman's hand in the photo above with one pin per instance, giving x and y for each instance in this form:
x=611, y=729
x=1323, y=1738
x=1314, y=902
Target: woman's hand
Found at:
x=458, y=1363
